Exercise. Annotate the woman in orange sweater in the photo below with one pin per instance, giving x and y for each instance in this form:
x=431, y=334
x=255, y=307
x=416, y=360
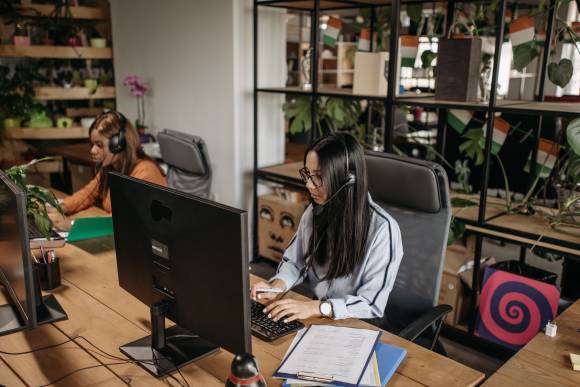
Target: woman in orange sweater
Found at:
x=114, y=147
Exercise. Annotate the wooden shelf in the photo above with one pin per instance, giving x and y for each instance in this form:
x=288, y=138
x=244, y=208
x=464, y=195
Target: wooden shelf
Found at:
x=289, y=170
x=568, y=109
x=430, y=101
x=46, y=133
x=324, y=4
x=46, y=93
x=535, y=229
x=77, y=12
x=56, y=52
x=495, y=207
x=84, y=112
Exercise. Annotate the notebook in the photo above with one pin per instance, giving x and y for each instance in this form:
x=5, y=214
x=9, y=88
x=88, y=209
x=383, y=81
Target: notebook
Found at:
x=89, y=228
x=388, y=359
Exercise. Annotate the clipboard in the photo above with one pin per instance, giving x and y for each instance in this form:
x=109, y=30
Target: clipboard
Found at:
x=326, y=378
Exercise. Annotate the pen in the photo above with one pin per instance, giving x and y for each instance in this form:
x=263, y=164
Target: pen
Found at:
x=270, y=290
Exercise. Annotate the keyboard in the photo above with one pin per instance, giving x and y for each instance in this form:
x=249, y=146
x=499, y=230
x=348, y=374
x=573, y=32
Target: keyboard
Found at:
x=266, y=328
x=37, y=239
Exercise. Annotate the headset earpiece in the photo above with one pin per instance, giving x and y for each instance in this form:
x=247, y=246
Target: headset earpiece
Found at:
x=350, y=179
x=117, y=142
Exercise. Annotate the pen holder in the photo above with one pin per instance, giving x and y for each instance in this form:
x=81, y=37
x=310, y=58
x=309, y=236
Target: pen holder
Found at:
x=48, y=274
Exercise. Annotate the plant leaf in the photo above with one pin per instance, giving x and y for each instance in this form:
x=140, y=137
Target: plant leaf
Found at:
x=560, y=73
x=44, y=196
x=524, y=54
x=42, y=222
x=427, y=58
x=573, y=135
x=472, y=145
x=456, y=230
x=414, y=11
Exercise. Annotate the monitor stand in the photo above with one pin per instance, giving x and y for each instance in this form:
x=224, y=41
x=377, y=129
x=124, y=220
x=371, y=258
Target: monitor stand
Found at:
x=48, y=310
x=166, y=349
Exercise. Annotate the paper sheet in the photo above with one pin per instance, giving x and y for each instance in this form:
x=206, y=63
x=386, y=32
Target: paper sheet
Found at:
x=370, y=378
x=339, y=352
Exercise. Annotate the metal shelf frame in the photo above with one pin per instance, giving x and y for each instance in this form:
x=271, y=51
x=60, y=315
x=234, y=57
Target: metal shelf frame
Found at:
x=391, y=101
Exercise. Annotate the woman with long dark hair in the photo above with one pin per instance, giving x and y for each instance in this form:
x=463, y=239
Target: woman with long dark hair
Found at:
x=115, y=146
x=347, y=248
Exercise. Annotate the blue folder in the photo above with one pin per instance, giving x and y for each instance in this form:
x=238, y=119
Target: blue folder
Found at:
x=389, y=358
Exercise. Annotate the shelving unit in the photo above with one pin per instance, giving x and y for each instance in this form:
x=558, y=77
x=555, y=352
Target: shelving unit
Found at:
x=488, y=218
x=77, y=12
x=54, y=93
x=72, y=133
x=56, y=52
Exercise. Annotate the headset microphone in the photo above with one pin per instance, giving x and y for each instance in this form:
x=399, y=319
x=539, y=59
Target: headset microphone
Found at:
x=350, y=180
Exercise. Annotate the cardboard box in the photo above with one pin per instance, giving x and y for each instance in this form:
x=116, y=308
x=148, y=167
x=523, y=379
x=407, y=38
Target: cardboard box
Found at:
x=452, y=291
x=369, y=73
x=278, y=220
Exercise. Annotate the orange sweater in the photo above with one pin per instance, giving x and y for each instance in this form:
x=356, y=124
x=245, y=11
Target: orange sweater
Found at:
x=88, y=195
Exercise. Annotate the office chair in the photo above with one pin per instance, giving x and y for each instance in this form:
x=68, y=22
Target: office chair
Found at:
x=416, y=194
x=188, y=162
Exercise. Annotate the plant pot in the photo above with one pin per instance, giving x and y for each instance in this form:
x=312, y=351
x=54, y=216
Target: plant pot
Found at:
x=87, y=122
x=91, y=83
x=21, y=40
x=73, y=41
x=64, y=122
x=98, y=42
x=12, y=122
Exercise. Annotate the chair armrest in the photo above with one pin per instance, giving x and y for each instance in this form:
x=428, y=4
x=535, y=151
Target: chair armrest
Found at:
x=436, y=314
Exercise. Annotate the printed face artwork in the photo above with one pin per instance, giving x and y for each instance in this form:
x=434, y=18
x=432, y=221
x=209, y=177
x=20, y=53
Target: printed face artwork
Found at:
x=278, y=220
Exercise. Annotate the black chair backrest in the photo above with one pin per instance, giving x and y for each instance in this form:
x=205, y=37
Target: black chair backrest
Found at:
x=416, y=194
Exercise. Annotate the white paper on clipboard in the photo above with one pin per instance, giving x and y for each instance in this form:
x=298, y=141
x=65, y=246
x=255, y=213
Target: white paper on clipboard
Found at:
x=340, y=352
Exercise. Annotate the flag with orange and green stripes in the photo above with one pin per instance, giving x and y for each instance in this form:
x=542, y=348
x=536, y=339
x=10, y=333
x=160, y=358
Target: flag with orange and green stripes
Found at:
x=331, y=32
x=501, y=129
x=409, y=47
x=548, y=152
x=364, y=41
x=458, y=119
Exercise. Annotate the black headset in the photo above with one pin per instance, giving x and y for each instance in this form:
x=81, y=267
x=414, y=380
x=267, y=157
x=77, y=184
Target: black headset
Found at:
x=349, y=181
x=350, y=176
x=117, y=142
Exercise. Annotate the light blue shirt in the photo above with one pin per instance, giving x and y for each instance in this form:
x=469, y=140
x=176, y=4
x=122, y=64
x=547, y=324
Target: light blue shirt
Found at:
x=364, y=293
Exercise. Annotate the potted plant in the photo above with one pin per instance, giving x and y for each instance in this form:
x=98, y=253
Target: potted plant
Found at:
x=21, y=37
x=38, y=117
x=17, y=93
x=65, y=78
x=96, y=40
x=36, y=197
x=138, y=90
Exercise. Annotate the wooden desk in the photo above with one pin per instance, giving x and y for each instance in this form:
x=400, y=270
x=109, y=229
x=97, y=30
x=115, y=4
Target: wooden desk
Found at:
x=545, y=361
x=108, y=317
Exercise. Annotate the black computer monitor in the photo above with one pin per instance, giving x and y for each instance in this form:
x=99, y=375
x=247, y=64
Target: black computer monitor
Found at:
x=25, y=308
x=187, y=258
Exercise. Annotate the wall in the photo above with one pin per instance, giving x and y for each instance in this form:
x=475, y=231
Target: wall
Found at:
x=185, y=50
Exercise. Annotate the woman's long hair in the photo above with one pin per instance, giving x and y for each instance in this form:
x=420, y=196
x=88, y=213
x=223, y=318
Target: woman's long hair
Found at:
x=340, y=230
x=108, y=124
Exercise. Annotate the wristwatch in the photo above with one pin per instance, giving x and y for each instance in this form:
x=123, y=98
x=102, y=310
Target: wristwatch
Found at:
x=326, y=309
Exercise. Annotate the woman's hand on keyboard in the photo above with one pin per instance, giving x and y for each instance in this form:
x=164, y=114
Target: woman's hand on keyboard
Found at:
x=289, y=310
x=59, y=221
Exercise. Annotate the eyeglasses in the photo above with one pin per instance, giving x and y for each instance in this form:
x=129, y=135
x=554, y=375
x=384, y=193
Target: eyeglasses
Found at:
x=315, y=179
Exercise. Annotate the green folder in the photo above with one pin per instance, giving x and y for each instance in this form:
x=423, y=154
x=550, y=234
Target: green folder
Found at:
x=89, y=228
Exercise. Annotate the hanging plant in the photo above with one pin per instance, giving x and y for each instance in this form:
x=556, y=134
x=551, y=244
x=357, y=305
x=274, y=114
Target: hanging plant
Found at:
x=526, y=43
